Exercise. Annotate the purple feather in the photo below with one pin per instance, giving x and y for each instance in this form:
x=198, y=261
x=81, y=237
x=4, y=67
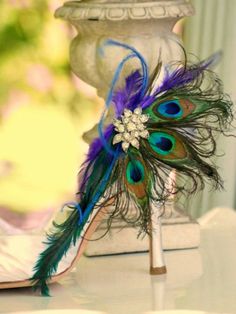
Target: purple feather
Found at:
x=185, y=75
x=129, y=96
x=96, y=145
x=94, y=149
x=181, y=76
x=147, y=101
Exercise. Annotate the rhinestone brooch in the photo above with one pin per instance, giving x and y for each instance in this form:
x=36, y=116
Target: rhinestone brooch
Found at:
x=130, y=128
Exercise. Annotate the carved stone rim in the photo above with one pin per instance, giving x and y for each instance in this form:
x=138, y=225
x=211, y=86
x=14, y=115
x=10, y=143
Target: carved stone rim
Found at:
x=74, y=10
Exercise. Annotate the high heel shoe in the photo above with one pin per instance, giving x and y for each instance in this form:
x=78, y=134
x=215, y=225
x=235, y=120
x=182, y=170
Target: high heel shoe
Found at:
x=156, y=128
x=16, y=271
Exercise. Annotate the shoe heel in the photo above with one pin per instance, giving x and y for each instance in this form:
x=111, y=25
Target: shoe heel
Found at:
x=157, y=261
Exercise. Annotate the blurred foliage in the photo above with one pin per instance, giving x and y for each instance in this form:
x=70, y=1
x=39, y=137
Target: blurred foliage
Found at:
x=34, y=55
x=42, y=107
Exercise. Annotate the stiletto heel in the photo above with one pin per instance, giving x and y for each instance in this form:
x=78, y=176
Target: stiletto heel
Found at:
x=157, y=260
x=156, y=254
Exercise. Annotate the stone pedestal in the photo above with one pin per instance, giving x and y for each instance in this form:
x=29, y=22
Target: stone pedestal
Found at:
x=179, y=231
x=147, y=26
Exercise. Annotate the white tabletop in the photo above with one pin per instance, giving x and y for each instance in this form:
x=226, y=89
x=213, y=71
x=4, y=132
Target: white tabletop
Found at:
x=198, y=280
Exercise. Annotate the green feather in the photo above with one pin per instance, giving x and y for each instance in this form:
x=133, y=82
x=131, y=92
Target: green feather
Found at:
x=185, y=108
x=162, y=143
x=64, y=235
x=138, y=181
x=135, y=172
x=58, y=243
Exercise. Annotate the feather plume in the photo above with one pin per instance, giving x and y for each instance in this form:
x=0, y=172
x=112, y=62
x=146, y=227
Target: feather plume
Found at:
x=98, y=179
x=156, y=130
x=58, y=243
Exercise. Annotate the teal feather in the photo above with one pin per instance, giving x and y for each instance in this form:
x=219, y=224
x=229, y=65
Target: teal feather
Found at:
x=162, y=143
x=58, y=243
x=135, y=172
x=170, y=109
x=64, y=235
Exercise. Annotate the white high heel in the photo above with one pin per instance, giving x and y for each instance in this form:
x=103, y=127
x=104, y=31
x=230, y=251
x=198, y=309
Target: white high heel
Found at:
x=157, y=260
x=19, y=252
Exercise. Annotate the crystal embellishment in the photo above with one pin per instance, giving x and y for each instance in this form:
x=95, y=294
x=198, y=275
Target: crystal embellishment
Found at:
x=130, y=128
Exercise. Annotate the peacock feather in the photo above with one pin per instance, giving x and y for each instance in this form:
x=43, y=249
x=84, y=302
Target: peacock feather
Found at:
x=156, y=128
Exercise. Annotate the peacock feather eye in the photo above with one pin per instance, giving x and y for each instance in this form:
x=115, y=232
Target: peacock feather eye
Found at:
x=170, y=109
x=162, y=143
x=135, y=172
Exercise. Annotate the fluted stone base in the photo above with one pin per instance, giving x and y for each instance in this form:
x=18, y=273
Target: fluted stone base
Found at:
x=179, y=232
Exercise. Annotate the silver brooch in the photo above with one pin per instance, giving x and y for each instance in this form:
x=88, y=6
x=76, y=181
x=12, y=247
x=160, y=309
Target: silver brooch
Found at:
x=130, y=128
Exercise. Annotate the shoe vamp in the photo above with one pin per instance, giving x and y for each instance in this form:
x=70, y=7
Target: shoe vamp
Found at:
x=19, y=253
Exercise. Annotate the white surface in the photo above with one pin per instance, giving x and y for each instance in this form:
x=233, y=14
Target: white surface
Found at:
x=67, y=311
x=197, y=280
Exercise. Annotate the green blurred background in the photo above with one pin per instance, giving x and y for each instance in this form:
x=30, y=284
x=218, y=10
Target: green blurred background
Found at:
x=42, y=109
